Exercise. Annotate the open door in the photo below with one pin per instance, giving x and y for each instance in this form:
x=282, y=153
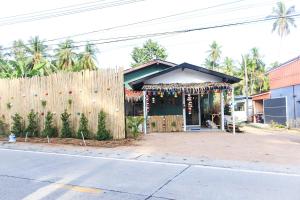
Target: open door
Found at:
x=192, y=110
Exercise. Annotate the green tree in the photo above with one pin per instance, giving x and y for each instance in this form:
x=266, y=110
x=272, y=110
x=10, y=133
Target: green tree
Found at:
x=214, y=55
x=283, y=19
x=50, y=130
x=228, y=66
x=151, y=50
x=37, y=51
x=88, y=59
x=17, y=125
x=33, y=124
x=83, y=127
x=66, y=131
x=66, y=56
x=102, y=132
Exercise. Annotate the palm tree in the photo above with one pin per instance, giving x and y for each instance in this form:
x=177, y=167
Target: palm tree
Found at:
x=65, y=55
x=228, y=66
x=88, y=59
x=214, y=55
x=283, y=19
x=36, y=50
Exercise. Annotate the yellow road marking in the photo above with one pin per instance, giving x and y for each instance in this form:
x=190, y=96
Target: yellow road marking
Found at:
x=80, y=189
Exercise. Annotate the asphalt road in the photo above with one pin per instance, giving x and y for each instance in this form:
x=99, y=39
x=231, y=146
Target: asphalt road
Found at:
x=39, y=175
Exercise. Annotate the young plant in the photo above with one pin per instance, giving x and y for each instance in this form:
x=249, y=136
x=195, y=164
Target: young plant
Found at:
x=133, y=124
x=17, y=125
x=66, y=131
x=33, y=124
x=50, y=130
x=83, y=127
x=102, y=133
x=3, y=127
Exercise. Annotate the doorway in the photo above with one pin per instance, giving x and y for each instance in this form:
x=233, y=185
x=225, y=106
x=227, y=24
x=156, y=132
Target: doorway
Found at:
x=192, y=113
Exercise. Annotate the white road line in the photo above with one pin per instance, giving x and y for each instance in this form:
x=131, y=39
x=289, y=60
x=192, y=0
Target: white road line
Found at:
x=247, y=171
x=158, y=162
x=96, y=157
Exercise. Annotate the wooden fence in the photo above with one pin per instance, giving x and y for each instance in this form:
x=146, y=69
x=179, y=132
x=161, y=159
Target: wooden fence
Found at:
x=165, y=123
x=85, y=92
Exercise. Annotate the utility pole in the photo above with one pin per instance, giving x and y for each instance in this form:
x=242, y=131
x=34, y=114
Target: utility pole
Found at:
x=246, y=86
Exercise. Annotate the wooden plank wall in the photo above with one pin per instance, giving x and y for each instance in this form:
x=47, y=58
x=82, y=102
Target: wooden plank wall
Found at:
x=89, y=92
x=164, y=123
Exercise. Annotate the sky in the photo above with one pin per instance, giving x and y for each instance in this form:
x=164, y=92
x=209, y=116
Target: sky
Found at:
x=189, y=47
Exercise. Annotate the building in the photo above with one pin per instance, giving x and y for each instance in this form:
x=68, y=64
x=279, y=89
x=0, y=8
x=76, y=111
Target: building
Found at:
x=180, y=97
x=258, y=106
x=285, y=87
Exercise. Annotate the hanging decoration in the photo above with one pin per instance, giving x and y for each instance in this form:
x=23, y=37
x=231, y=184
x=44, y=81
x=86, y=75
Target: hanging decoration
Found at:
x=147, y=103
x=190, y=104
x=175, y=94
x=153, y=100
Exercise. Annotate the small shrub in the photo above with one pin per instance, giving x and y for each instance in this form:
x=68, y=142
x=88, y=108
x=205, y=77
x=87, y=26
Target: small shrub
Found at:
x=133, y=124
x=153, y=124
x=50, y=130
x=102, y=132
x=3, y=127
x=83, y=127
x=66, y=131
x=17, y=125
x=33, y=124
x=276, y=125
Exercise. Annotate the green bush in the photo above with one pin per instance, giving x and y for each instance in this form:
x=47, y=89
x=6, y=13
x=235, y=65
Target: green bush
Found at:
x=3, y=127
x=66, y=131
x=133, y=124
x=33, y=124
x=83, y=127
x=17, y=125
x=102, y=132
x=50, y=130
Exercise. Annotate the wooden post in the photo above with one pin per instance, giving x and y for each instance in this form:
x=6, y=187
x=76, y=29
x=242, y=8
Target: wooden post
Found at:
x=232, y=111
x=145, y=112
x=222, y=111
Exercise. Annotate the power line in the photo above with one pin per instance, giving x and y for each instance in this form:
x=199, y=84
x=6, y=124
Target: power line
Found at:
x=49, y=10
x=135, y=37
x=68, y=12
x=145, y=21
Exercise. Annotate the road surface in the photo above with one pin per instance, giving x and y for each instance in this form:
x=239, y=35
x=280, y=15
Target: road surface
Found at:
x=34, y=175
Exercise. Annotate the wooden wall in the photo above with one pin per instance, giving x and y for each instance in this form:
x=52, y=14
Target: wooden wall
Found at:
x=164, y=123
x=85, y=92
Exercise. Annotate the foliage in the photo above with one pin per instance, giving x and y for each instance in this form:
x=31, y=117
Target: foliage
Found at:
x=87, y=59
x=283, y=19
x=3, y=127
x=17, y=125
x=65, y=55
x=151, y=50
x=44, y=103
x=102, y=132
x=276, y=125
x=214, y=55
x=83, y=127
x=133, y=124
x=50, y=130
x=33, y=124
x=66, y=131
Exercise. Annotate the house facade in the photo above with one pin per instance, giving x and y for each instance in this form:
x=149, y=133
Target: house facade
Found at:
x=180, y=97
x=285, y=82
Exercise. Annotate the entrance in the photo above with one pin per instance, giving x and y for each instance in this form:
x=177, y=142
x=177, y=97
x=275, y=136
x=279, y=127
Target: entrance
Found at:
x=192, y=110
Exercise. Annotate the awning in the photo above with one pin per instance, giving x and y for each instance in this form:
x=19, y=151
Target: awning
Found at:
x=188, y=87
x=133, y=96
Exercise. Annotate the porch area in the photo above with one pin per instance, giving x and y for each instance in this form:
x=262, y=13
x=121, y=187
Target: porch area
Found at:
x=186, y=106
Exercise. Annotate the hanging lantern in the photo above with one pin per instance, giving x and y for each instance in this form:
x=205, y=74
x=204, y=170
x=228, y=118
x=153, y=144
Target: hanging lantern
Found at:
x=175, y=94
x=153, y=100
x=161, y=94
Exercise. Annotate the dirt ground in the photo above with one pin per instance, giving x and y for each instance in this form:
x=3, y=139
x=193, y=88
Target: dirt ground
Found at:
x=254, y=145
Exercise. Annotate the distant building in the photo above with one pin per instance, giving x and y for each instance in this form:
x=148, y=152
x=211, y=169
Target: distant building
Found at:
x=285, y=84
